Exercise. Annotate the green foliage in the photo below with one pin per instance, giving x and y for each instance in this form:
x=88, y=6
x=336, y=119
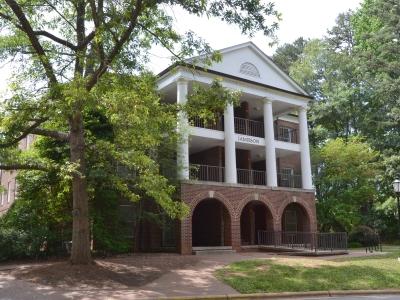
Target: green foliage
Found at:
x=345, y=182
x=78, y=62
x=40, y=219
x=208, y=102
x=360, y=235
x=13, y=244
x=353, y=74
x=288, y=54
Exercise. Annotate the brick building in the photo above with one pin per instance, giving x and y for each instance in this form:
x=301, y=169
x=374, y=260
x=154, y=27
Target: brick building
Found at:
x=249, y=171
x=8, y=180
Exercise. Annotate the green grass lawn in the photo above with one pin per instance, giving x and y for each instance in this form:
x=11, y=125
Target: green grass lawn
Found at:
x=297, y=274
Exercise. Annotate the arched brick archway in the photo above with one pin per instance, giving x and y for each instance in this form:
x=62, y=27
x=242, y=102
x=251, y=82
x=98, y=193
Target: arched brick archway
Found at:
x=186, y=235
x=211, y=224
x=215, y=195
x=296, y=216
x=255, y=216
x=254, y=212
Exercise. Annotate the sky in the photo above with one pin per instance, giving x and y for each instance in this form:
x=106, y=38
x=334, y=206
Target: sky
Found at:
x=307, y=18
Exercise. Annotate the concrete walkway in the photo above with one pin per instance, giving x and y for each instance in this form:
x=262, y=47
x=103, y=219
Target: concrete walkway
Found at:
x=192, y=280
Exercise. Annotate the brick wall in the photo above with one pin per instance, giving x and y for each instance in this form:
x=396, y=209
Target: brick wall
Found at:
x=212, y=157
x=289, y=161
x=235, y=198
x=8, y=180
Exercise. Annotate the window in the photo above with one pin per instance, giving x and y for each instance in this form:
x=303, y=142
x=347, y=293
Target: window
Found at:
x=15, y=189
x=287, y=134
x=249, y=69
x=9, y=192
x=287, y=177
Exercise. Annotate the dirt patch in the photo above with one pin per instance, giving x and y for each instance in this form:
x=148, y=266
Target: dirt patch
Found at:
x=305, y=262
x=262, y=268
x=113, y=273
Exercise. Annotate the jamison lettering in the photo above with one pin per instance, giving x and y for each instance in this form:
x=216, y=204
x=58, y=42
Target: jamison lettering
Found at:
x=248, y=140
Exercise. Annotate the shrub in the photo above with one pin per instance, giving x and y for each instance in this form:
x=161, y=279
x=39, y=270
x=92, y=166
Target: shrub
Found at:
x=363, y=235
x=13, y=244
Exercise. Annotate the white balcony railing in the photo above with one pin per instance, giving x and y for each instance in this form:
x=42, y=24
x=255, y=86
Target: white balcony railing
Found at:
x=244, y=176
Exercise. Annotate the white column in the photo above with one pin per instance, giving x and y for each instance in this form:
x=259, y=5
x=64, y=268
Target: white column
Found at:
x=306, y=176
x=183, y=146
x=270, y=156
x=230, y=152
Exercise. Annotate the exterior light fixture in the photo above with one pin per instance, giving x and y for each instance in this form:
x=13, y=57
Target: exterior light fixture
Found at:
x=396, y=189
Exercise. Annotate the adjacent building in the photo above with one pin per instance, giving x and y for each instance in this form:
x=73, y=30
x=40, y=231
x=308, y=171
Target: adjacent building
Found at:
x=8, y=181
x=250, y=170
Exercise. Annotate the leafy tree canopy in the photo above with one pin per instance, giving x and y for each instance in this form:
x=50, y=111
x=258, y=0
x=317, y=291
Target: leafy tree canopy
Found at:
x=73, y=58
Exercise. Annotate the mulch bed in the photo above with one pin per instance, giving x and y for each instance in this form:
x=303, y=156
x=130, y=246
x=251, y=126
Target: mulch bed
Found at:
x=111, y=273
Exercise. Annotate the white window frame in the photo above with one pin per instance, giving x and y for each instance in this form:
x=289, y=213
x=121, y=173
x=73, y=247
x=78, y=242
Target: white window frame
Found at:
x=287, y=134
x=287, y=176
x=9, y=192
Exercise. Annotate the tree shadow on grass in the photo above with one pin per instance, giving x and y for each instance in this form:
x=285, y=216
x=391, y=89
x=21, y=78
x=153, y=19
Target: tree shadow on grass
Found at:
x=281, y=278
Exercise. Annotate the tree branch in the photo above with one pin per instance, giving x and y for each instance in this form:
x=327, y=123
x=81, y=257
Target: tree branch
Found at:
x=24, y=134
x=60, y=14
x=17, y=166
x=117, y=47
x=27, y=28
x=86, y=41
x=97, y=14
x=56, y=39
x=58, y=135
x=160, y=41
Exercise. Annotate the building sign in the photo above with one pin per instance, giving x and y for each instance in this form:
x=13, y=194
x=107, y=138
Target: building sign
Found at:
x=248, y=139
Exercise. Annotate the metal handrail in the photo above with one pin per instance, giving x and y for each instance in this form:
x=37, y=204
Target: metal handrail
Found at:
x=217, y=125
x=249, y=127
x=207, y=173
x=312, y=241
x=280, y=134
x=288, y=180
x=247, y=176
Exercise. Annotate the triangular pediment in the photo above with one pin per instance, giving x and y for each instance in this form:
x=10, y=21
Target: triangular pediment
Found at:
x=247, y=61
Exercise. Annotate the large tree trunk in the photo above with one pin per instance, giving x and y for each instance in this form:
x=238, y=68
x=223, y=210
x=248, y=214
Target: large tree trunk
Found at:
x=80, y=253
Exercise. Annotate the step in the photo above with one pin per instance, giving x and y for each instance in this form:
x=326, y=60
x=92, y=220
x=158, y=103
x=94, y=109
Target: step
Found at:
x=213, y=250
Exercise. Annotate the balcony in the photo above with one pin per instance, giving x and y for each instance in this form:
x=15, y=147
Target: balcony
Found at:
x=217, y=125
x=244, y=176
x=289, y=180
x=207, y=173
x=249, y=127
x=286, y=134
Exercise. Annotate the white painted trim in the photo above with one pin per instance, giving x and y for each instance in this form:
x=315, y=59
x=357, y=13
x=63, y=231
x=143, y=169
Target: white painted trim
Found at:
x=253, y=89
x=207, y=133
x=288, y=119
x=263, y=56
x=287, y=146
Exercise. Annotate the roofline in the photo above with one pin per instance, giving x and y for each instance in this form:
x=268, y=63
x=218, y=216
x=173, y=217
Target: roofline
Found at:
x=265, y=56
x=181, y=64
